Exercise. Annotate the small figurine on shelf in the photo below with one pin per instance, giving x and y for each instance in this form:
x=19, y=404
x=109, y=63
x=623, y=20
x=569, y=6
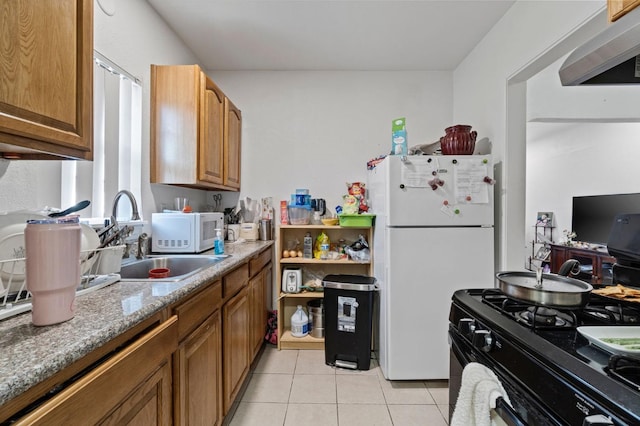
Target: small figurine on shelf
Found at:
x=569, y=236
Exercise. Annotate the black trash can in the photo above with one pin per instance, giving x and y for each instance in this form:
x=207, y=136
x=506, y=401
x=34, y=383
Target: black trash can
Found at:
x=348, y=311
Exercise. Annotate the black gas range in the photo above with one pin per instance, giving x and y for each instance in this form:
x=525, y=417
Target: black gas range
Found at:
x=552, y=374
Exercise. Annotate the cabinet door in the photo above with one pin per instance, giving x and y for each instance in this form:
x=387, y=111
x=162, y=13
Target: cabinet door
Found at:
x=47, y=79
x=198, y=366
x=211, y=144
x=133, y=386
x=258, y=312
x=174, y=123
x=150, y=404
x=235, y=317
x=232, y=143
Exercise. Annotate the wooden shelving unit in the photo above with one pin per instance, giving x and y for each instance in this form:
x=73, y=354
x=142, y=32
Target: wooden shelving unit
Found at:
x=287, y=302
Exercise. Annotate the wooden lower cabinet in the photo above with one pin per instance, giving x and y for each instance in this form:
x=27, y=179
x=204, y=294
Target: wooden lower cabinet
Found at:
x=198, y=368
x=187, y=370
x=258, y=303
x=235, y=344
x=132, y=387
x=148, y=405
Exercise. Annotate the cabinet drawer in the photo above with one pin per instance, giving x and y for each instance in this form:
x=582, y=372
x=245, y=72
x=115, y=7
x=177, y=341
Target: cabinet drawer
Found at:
x=195, y=310
x=257, y=263
x=235, y=280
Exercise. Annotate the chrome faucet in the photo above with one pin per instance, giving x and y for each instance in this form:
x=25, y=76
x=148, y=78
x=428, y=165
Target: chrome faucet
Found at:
x=123, y=233
x=134, y=206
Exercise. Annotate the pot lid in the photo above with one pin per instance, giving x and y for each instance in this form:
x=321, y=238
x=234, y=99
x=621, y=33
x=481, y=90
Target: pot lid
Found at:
x=550, y=282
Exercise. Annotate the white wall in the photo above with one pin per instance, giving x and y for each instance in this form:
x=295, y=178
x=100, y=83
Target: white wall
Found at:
x=317, y=130
x=530, y=36
x=573, y=159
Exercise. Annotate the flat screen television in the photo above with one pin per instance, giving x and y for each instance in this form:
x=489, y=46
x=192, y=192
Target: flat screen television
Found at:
x=592, y=216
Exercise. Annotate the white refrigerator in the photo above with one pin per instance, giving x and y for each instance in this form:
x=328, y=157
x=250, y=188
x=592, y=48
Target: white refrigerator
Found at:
x=433, y=235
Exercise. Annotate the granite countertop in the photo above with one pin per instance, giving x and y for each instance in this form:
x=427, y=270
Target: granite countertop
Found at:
x=30, y=354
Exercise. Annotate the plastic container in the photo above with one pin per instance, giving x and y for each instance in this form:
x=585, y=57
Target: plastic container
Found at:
x=300, y=200
x=218, y=242
x=356, y=220
x=299, y=215
x=299, y=323
x=316, y=318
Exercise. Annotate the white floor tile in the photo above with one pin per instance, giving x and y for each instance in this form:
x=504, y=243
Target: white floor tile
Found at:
x=354, y=389
x=444, y=410
x=313, y=389
x=409, y=392
x=268, y=388
x=312, y=362
x=277, y=362
x=312, y=414
x=363, y=415
x=416, y=415
x=440, y=395
x=259, y=413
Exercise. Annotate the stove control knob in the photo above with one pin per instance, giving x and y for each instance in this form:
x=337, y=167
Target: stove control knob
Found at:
x=597, y=420
x=466, y=326
x=482, y=340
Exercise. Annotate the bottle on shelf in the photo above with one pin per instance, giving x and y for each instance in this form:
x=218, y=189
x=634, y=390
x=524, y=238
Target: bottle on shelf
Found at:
x=308, y=246
x=299, y=323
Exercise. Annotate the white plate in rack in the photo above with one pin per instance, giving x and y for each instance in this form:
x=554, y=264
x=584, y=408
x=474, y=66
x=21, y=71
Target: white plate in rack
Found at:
x=600, y=335
x=12, y=247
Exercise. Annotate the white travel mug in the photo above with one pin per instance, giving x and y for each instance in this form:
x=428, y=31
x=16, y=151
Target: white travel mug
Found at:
x=52, y=268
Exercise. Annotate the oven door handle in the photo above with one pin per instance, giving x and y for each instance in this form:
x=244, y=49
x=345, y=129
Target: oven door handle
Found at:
x=507, y=413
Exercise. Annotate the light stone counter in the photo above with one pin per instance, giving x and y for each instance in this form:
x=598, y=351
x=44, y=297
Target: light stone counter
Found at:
x=30, y=354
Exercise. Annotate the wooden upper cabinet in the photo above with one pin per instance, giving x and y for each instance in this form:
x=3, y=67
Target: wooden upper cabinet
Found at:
x=46, y=79
x=211, y=163
x=232, y=144
x=618, y=8
x=192, y=136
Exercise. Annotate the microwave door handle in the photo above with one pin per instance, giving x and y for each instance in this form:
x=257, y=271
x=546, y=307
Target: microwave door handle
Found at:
x=507, y=413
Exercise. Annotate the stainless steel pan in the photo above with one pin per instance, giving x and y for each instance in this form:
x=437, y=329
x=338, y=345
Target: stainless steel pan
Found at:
x=549, y=290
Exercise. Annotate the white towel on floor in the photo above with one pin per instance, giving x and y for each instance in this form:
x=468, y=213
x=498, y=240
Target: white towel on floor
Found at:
x=478, y=393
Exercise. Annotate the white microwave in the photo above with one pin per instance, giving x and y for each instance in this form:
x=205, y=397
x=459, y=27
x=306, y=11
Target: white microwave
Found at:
x=184, y=232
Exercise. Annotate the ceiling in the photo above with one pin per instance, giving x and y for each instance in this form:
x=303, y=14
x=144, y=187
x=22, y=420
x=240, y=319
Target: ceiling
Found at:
x=377, y=35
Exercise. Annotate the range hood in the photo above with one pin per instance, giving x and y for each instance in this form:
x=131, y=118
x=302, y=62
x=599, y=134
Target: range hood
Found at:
x=612, y=57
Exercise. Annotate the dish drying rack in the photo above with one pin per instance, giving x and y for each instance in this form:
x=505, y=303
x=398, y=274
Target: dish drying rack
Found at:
x=99, y=268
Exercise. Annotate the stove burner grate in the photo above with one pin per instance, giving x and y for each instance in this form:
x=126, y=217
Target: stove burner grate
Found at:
x=529, y=314
x=540, y=315
x=625, y=369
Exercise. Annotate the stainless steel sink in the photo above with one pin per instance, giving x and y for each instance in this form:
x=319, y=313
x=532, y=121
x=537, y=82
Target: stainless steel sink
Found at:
x=180, y=267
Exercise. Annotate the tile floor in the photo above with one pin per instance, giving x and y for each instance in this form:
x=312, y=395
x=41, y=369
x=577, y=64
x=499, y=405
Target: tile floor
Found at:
x=296, y=387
